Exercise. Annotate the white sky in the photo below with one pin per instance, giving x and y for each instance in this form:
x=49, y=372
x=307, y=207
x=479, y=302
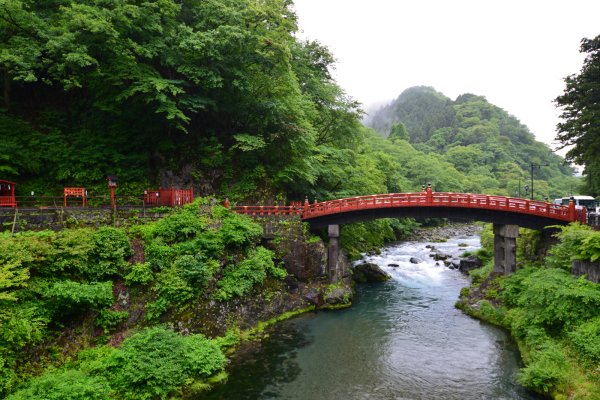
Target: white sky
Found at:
x=514, y=52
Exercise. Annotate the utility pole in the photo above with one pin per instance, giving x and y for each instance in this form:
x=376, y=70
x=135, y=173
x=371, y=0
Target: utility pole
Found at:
x=532, y=166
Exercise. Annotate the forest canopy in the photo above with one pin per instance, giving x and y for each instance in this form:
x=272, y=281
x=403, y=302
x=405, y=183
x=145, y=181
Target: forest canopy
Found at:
x=221, y=96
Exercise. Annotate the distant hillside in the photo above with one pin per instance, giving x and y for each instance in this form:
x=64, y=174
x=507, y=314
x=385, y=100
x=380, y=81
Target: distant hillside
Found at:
x=478, y=138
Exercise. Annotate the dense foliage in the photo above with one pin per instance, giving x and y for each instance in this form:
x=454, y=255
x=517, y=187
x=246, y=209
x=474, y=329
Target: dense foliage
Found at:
x=214, y=91
x=490, y=148
x=554, y=315
x=154, y=363
x=221, y=95
x=580, y=104
x=52, y=281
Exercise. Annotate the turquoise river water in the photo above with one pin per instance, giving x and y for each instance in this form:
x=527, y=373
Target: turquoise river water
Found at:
x=403, y=339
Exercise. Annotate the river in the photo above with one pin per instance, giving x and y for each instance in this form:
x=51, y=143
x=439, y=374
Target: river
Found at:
x=402, y=339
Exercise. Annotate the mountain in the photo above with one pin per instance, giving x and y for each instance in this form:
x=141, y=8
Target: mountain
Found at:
x=479, y=139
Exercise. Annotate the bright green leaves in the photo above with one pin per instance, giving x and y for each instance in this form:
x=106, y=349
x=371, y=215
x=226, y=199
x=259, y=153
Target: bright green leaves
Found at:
x=246, y=142
x=590, y=247
x=74, y=296
x=154, y=362
x=556, y=316
x=68, y=384
x=238, y=279
x=12, y=276
x=151, y=364
x=571, y=246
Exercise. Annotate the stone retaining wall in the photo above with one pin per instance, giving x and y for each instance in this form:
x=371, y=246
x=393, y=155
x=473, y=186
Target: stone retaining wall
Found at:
x=58, y=218
x=590, y=269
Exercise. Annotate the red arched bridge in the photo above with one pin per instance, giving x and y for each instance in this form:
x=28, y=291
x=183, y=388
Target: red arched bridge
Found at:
x=464, y=206
x=506, y=213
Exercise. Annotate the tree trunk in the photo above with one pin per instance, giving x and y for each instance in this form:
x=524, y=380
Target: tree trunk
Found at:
x=6, y=89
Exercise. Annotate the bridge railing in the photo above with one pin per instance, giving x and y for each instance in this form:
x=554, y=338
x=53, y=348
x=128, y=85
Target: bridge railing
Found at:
x=420, y=199
x=441, y=199
x=262, y=211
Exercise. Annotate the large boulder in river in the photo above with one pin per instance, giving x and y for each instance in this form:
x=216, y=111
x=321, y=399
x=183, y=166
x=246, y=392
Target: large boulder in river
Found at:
x=369, y=272
x=469, y=263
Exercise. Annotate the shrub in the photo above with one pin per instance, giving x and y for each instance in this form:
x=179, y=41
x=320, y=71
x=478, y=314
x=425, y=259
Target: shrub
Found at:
x=74, y=295
x=63, y=385
x=196, y=272
x=590, y=247
x=156, y=361
x=109, y=319
x=570, y=239
x=239, y=279
x=552, y=298
x=111, y=248
x=139, y=274
x=586, y=340
x=181, y=225
x=172, y=290
x=479, y=274
x=547, y=370
x=239, y=230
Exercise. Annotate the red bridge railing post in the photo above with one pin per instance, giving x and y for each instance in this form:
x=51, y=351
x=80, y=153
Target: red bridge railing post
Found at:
x=429, y=193
x=572, y=214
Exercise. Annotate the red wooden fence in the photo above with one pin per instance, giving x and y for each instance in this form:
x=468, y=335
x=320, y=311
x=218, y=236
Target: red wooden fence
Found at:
x=168, y=197
x=7, y=194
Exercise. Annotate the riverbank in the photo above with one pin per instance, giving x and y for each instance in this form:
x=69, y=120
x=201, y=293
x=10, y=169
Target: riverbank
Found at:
x=552, y=315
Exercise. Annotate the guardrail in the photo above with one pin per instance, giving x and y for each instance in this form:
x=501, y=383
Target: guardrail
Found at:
x=421, y=199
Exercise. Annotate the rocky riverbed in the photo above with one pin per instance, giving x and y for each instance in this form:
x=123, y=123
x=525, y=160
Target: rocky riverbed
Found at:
x=442, y=233
x=370, y=272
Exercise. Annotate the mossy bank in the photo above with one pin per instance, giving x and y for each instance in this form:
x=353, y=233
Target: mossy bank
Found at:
x=553, y=315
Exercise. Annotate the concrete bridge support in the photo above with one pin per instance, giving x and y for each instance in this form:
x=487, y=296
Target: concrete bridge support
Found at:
x=505, y=248
x=333, y=254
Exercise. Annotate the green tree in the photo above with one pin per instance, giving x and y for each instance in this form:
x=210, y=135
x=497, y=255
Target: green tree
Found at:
x=398, y=132
x=580, y=105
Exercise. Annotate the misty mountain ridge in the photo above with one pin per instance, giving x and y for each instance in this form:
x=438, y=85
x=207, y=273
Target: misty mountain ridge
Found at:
x=436, y=123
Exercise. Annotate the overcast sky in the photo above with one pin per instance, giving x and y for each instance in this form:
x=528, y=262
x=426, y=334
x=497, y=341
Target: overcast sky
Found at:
x=514, y=52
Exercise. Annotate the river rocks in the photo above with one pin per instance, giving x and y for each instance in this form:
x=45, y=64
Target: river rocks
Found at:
x=291, y=283
x=440, y=233
x=393, y=265
x=414, y=260
x=339, y=295
x=439, y=256
x=369, y=272
x=469, y=263
x=315, y=297
x=304, y=260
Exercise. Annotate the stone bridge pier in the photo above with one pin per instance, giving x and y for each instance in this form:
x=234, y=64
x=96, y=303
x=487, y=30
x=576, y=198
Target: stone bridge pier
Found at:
x=505, y=248
x=333, y=254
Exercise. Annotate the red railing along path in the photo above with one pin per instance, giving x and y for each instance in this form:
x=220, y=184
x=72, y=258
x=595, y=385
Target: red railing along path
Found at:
x=422, y=199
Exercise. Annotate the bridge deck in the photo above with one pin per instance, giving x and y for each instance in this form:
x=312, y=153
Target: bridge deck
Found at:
x=427, y=199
